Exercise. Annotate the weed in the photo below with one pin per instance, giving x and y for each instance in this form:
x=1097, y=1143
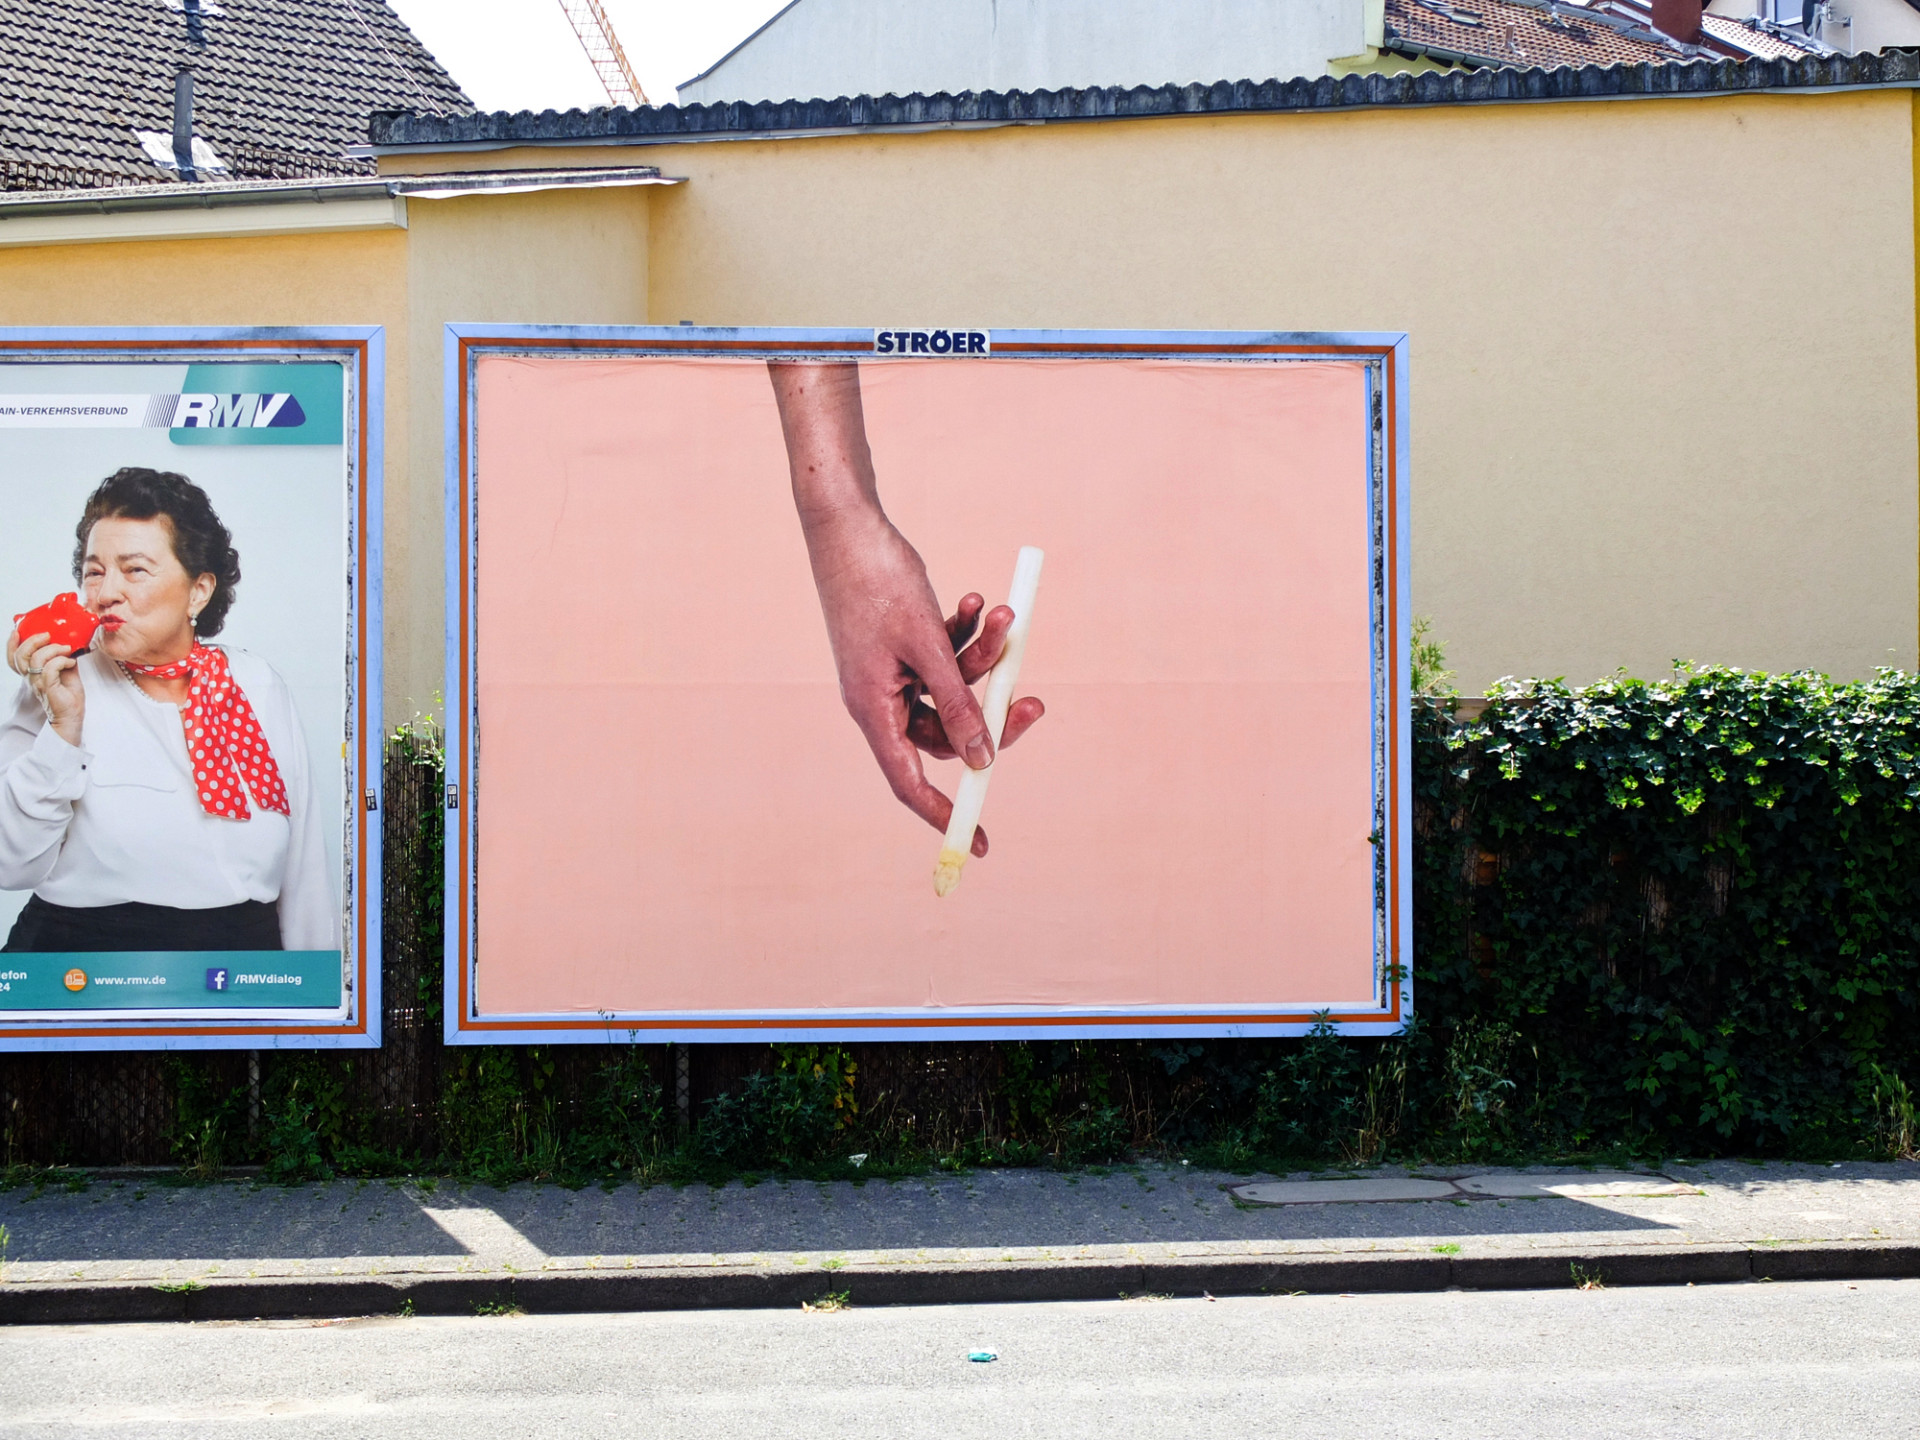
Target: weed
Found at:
x=203, y=1118
x=37, y=1177
x=11, y=1138
x=496, y=1307
x=776, y=1121
x=1476, y=1085
x=1429, y=674
x=1584, y=1279
x=1383, y=1101
x=406, y=1307
x=828, y=1303
x=179, y=1287
x=829, y=1065
x=1447, y=1249
x=204, y=1147
x=1895, y=1134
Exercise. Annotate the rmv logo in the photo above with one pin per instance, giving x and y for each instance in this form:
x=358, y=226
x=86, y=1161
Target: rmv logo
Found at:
x=237, y=412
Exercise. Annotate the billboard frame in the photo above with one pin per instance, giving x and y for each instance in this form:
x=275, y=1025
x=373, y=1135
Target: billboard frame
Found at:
x=1389, y=447
x=361, y=349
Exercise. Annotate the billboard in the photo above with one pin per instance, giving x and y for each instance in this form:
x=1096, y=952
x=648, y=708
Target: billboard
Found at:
x=733, y=617
x=189, y=848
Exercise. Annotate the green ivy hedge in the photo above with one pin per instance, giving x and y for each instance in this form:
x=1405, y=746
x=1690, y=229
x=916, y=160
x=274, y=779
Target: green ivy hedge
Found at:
x=1682, y=914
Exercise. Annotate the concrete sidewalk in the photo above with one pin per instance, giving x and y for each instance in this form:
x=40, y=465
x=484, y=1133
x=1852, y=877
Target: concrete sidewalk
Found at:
x=131, y=1247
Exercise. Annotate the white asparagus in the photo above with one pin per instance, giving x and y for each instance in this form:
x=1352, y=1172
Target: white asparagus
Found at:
x=972, y=794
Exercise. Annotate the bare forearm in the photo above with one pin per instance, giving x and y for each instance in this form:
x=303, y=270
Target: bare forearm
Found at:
x=826, y=434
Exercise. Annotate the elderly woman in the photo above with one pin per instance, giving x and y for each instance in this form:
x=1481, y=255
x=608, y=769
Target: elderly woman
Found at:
x=154, y=790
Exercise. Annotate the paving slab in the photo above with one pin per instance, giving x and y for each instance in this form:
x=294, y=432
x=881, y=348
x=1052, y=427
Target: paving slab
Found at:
x=1509, y=1185
x=1345, y=1192
x=134, y=1246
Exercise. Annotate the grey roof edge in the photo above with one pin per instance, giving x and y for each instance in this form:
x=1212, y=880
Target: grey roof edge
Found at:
x=393, y=130
x=223, y=194
x=769, y=23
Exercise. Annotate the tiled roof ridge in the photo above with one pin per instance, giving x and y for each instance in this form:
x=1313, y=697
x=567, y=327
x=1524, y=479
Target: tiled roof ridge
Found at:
x=1544, y=33
x=1503, y=85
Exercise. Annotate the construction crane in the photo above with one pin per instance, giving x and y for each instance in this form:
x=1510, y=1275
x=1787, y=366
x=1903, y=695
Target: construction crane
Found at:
x=590, y=23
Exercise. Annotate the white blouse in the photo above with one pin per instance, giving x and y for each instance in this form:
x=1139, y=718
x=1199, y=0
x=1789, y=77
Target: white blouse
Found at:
x=117, y=818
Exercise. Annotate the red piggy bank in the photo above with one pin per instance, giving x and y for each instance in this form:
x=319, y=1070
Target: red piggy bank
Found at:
x=63, y=618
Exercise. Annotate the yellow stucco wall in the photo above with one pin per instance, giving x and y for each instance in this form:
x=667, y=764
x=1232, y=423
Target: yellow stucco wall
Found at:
x=551, y=257
x=1663, y=352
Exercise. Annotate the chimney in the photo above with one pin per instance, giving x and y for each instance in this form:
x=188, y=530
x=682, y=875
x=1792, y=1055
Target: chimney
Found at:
x=183, y=122
x=1679, y=19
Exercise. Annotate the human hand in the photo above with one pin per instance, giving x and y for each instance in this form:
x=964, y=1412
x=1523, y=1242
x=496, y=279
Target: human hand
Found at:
x=893, y=650
x=53, y=675
x=904, y=670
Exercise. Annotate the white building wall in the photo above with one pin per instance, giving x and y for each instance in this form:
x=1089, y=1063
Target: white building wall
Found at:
x=1877, y=25
x=821, y=49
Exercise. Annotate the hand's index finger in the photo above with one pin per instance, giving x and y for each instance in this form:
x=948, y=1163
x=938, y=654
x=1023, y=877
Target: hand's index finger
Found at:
x=979, y=657
x=966, y=615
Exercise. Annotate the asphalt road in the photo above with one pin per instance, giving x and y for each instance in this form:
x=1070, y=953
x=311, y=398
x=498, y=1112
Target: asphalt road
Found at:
x=1802, y=1360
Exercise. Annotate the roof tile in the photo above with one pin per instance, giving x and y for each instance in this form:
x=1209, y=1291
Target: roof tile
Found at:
x=281, y=87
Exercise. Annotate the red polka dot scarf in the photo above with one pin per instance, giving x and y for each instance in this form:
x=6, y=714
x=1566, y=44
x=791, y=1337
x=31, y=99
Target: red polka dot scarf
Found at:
x=224, y=737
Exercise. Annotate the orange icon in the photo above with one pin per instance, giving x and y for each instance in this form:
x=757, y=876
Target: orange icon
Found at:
x=76, y=979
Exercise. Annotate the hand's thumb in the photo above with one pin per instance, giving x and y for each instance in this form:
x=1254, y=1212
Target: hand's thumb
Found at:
x=959, y=712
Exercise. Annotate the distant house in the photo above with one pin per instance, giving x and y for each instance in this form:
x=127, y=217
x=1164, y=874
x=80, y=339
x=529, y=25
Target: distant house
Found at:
x=1850, y=27
x=119, y=92
x=1479, y=33
x=821, y=49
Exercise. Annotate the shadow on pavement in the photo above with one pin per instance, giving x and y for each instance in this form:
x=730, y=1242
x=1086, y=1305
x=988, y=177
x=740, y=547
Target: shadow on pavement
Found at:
x=986, y=1210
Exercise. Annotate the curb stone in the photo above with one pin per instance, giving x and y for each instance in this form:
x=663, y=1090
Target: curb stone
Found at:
x=587, y=1291
x=1859, y=1260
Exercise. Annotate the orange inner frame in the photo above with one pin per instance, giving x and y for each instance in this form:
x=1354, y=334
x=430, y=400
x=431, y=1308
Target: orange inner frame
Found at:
x=675, y=812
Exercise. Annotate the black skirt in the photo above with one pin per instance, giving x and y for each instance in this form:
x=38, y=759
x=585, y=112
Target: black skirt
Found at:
x=48, y=929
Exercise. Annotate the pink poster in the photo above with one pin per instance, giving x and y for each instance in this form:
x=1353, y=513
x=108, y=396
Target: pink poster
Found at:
x=727, y=630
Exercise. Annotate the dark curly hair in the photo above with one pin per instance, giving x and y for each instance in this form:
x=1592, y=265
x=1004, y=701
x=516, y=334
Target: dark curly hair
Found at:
x=200, y=542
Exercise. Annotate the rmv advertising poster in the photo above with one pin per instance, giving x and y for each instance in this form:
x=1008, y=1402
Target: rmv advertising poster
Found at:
x=908, y=683
x=177, y=834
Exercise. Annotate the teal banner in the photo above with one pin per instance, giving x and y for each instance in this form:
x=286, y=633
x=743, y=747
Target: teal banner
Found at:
x=289, y=404
x=172, y=980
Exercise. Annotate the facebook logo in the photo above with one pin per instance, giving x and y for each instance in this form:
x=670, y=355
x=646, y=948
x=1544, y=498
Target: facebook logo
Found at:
x=216, y=979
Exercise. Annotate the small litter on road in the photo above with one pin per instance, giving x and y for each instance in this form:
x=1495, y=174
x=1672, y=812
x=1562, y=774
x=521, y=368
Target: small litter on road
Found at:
x=983, y=1357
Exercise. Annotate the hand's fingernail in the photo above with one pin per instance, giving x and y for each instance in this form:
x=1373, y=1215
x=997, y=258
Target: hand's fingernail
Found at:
x=979, y=753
